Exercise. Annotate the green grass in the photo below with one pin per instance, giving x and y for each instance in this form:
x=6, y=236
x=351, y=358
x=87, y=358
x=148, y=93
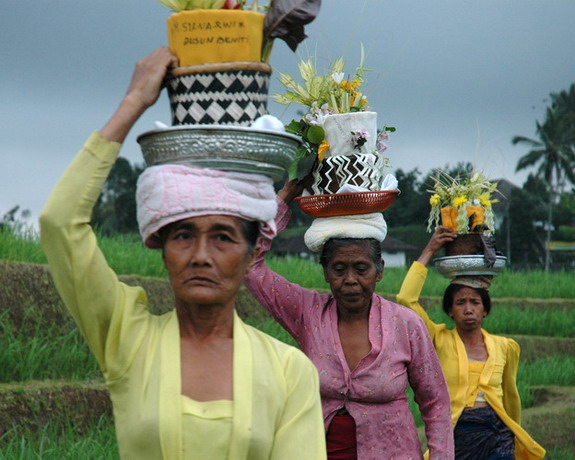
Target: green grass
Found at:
x=34, y=352
x=23, y=248
x=60, y=441
x=126, y=255
x=523, y=321
x=47, y=353
x=533, y=284
x=553, y=370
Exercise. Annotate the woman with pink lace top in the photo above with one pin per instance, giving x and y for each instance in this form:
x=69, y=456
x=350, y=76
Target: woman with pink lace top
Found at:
x=367, y=349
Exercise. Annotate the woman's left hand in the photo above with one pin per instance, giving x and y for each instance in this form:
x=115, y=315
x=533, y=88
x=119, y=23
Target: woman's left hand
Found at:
x=441, y=236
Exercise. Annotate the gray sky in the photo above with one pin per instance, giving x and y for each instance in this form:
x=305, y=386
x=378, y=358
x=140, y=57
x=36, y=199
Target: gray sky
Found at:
x=458, y=78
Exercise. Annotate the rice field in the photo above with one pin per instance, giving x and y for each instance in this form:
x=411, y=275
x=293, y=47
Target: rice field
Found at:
x=35, y=351
x=53, y=442
x=508, y=320
x=127, y=256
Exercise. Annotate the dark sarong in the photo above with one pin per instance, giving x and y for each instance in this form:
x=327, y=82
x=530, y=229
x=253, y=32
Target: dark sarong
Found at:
x=341, y=442
x=481, y=435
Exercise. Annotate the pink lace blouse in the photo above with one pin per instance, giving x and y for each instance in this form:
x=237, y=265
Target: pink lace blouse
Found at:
x=374, y=392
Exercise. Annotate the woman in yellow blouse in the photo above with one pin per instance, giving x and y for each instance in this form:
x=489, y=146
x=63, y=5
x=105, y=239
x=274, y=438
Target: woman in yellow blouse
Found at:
x=480, y=368
x=195, y=382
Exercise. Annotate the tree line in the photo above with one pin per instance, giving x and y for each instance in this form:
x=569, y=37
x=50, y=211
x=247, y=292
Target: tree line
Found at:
x=535, y=213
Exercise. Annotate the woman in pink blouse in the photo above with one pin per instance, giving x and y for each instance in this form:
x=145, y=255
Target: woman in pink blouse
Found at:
x=366, y=349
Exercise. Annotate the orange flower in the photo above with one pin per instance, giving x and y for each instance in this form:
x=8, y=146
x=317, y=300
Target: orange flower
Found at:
x=322, y=149
x=347, y=86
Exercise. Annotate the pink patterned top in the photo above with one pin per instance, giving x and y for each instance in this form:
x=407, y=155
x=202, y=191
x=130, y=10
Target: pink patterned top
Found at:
x=374, y=392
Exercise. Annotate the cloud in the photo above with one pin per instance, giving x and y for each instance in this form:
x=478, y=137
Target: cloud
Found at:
x=458, y=79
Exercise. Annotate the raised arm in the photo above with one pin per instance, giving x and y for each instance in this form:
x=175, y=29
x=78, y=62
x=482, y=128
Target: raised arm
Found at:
x=142, y=93
x=441, y=236
x=88, y=287
x=285, y=301
x=412, y=285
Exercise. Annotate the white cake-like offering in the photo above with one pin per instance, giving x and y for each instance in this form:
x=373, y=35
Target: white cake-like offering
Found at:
x=339, y=129
x=346, y=162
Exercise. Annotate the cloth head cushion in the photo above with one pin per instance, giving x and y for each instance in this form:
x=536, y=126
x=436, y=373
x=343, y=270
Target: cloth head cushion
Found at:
x=169, y=193
x=358, y=226
x=474, y=281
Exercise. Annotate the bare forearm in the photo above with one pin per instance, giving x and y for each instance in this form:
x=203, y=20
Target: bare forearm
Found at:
x=441, y=236
x=142, y=93
x=426, y=256
x=120, y=124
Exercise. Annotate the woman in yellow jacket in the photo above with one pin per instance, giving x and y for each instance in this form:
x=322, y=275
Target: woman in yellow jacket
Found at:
x=480, y=368
x=196, y=382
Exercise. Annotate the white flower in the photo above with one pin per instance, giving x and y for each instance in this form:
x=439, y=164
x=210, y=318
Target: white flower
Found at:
x=337, y=77
x=316, y=115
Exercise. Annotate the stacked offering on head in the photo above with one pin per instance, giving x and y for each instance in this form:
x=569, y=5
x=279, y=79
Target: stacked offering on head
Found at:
x=339, y=132
x=218, y=94
x=463, y=204
x=223, y=47
x=223, y=151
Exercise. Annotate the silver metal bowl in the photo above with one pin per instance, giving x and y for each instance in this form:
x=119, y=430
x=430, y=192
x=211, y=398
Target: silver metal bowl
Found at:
x=231, y=148
x=453, y=266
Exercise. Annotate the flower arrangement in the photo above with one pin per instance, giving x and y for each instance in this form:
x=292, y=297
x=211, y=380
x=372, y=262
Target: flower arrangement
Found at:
x=457, y=201
x=284, y=19
x=186, y=5
x=325, y=95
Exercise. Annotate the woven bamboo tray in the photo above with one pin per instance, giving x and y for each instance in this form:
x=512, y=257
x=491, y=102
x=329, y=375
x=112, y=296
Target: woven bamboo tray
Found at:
x=345, y=204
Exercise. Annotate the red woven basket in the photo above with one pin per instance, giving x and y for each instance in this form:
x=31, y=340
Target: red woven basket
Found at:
x=345, y=204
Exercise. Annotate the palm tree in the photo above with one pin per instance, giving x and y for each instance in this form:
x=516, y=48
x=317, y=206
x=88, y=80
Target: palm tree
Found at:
x=553, y=156
x=565, y=103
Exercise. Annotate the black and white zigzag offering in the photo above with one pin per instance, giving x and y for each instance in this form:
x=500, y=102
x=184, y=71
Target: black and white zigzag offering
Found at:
x=360, y=170
x=349, y=162
x=219, y=94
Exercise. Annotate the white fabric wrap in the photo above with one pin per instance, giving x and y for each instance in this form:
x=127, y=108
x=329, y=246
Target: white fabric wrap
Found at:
x=168, y=193
x=339, y=130
x=359, y=226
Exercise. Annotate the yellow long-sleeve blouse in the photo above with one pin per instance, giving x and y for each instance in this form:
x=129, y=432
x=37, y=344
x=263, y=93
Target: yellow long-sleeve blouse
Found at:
x=276, y=410
x=498, y=379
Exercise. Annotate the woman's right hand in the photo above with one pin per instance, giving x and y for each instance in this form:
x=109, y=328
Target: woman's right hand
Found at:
x=143, y=91
x=441, y=236
x=148, y=76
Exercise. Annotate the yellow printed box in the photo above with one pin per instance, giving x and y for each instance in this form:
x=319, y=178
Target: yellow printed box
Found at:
x=211, y=36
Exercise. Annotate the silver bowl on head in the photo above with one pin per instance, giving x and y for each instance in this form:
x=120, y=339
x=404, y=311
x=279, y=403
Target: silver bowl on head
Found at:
x=453, y=266
x=228, y=148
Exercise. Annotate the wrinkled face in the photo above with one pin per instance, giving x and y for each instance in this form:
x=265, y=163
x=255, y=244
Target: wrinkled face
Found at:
x=206, y=258
x=352, y=276
x=467, y=310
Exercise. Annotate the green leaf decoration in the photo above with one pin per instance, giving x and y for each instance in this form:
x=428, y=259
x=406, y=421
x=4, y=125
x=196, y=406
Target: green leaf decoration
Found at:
x=295, y=127
x=315, y=134
x=300, y=153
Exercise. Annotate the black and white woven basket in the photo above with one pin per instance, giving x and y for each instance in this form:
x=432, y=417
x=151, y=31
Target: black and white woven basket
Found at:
x=229, y=93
